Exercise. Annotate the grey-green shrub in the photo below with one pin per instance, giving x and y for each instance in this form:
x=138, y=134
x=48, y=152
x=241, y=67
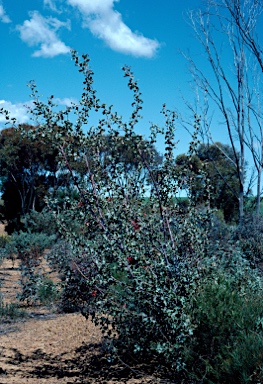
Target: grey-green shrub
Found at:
x=137, y=268
x=250, y=236
x=40, y=222
x=145, y=276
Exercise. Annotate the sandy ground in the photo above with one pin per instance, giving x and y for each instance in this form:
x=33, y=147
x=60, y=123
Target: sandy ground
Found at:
x=2, y=229
x=46, y=350
x=53, y=348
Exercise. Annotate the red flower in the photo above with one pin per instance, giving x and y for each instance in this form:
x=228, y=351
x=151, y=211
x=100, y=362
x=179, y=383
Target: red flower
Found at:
x=94, y=293
x=130, y=260
x=135, y=225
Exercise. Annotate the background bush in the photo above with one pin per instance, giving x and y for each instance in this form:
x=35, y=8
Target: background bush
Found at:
x=250, y=235
x=29, y=248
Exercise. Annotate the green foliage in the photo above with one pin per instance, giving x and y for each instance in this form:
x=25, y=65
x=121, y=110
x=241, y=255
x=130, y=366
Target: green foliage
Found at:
x=149, y=268
x=41, y=222
x=218, y=162
x=60, y=258
x=4, y=239
x=27, y=171
x=29, y=249
x=131, y=265
x=47, y=291
x=250, y=235
x=227, y=341
x=10, y=312
x=59, y=255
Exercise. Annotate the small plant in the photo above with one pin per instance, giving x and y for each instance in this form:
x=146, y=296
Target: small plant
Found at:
x=29, y=249
x=10, y=312
x=47, y=291
x=4, y=239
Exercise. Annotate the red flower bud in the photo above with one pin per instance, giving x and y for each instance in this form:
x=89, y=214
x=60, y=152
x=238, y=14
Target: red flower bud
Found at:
x=130, y=260
x=94, y=293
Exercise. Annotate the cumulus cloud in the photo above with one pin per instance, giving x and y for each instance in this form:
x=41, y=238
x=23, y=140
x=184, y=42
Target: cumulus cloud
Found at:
x=106, y=23
x=3, y=16
x=18, y=111
x=43, y=31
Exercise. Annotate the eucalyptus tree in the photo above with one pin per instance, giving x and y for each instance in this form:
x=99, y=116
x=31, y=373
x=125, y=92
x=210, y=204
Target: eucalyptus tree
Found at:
x=230, y=79
x=27, y=171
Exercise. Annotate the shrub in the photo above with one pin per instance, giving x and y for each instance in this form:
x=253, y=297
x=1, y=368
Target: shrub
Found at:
x=47, y=291
x=3, y=240
x=133, y=266
x=227, y=341
x=40, y=222
x=250, y=235
x=142, y=271
x=29, y=249
x=10, y=312
x=60, y=259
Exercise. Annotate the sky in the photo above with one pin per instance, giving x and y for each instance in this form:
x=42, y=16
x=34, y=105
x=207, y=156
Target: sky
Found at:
x=37, y=36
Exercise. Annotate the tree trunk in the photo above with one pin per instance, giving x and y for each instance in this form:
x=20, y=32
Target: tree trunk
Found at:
x=258, y=192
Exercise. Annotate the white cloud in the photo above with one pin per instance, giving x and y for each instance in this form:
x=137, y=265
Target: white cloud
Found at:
x=18, y=111
x=21, y=111
x=51, y=4
x=106, y=23
x=3, y=16
x=67, y=101
x=43, y=31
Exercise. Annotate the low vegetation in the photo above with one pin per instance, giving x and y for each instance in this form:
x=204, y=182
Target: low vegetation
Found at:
x=10, y=312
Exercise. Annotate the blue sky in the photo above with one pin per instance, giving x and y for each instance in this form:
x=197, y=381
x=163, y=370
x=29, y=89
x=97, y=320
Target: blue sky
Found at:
x=37, y=35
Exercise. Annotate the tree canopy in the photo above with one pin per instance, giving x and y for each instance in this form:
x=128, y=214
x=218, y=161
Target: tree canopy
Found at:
x=216, y=162
x=27, y=171
x=30, y=166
